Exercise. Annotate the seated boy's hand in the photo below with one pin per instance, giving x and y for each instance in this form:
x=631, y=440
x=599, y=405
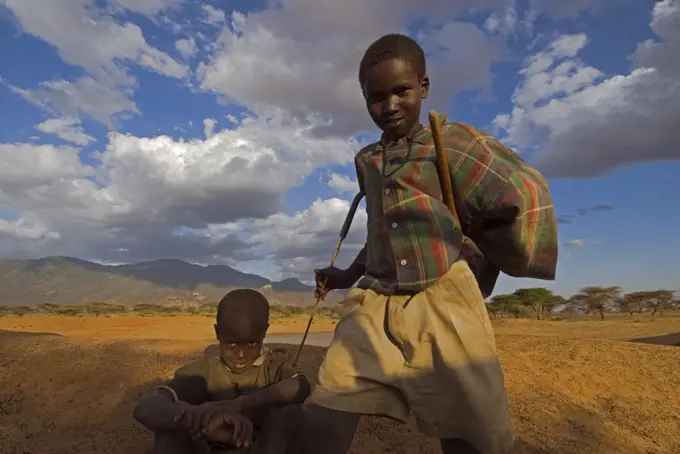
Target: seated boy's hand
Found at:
x=196, y=417
x=231, y=428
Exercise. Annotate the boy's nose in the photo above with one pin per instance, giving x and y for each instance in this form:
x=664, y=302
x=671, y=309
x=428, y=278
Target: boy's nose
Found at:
x=390, y=106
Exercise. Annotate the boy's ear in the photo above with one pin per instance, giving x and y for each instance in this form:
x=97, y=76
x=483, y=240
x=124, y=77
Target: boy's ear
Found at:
x=216, y=331
x=424, y=87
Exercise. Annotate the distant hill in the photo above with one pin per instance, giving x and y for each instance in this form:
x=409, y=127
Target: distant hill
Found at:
x=67, y=280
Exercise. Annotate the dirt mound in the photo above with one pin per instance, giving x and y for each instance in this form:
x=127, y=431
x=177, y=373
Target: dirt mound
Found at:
x=62, y=395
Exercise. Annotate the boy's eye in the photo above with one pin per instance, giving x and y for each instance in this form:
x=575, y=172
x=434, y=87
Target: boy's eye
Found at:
x=376, y=98
x=252, y=344
x=231, y=344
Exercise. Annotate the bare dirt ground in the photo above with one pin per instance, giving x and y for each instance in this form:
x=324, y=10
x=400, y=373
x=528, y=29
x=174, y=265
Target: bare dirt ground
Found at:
x=575, y=387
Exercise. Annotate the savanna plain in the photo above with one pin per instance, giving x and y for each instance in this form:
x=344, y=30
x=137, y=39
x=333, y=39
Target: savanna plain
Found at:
x=581, y=385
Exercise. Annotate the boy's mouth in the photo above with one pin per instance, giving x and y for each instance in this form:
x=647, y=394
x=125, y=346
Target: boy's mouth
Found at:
x=394, y=121
x=237, y=366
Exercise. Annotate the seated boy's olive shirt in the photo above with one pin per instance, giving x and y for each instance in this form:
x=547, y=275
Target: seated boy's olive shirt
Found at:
x=208, y=379
x=504, y=206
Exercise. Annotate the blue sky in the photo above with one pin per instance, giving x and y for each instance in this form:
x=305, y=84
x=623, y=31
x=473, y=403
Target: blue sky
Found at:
x=140, y=129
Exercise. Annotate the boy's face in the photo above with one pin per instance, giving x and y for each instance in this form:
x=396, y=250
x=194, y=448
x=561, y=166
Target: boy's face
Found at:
x=240, y=348
x=394, y=94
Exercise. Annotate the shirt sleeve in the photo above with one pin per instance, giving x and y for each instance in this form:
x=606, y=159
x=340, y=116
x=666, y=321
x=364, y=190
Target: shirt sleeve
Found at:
x=190, y=383
x=507, y=208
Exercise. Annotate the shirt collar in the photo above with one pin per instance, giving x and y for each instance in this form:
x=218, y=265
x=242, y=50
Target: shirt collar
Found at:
x=260, y=359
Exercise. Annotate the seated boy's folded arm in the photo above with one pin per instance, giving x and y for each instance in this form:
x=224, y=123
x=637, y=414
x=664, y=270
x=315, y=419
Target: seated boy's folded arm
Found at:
x=287, y=387
x=157, y=410
x=509, y=206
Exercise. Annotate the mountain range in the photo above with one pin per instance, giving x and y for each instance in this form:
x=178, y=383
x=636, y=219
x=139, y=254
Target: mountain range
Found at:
x=67, y=280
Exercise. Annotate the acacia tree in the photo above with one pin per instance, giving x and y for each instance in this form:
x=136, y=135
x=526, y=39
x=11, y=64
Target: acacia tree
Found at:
x=535, y=298
x=550, y=304
x=597, y=300
x=504, y=304
x=631, y=303
x=578, y=304
x=675, y=304
x=494, y=309
x=657, y=300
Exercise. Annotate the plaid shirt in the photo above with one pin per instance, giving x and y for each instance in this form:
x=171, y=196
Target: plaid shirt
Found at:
x=504, y=207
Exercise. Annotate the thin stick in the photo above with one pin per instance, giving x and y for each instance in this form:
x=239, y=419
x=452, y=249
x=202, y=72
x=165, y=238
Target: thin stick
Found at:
x=343, y=234
x=443, y=166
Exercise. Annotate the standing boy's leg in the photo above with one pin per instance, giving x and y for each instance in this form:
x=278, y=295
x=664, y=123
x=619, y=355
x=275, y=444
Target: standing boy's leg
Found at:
x=326, y=431
x=359, y=376
x=453, y=380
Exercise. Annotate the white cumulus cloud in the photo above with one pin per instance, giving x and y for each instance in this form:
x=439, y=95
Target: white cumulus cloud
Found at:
x=144, y=198
x=186, y=47
x=68, y=129
x=341, y=183
x=586, y=124
x=88, y=37
x=303, y=56
x=306, y=240
x=146, y=7
x=213, y=16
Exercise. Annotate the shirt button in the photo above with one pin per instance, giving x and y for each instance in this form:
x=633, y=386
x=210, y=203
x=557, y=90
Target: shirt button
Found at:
x=394, y=225
x=403, y=262
x=387, y=191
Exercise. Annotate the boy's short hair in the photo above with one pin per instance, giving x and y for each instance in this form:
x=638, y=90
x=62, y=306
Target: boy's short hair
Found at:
x=242, y=304
x=393, y=46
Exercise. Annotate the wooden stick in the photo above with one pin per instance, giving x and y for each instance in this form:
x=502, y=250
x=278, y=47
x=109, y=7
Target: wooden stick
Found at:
x=443, y=166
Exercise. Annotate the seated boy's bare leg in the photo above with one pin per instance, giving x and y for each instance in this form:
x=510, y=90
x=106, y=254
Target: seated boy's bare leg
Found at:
x=326, y=431
x=280, y=430
x=178, y=443
x=458, y=446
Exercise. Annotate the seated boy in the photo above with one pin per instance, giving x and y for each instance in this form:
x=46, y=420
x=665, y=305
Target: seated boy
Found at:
x=245, y=400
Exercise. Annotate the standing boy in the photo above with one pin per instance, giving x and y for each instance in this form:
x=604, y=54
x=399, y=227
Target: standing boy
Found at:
x=246, y=396
x=419, y=339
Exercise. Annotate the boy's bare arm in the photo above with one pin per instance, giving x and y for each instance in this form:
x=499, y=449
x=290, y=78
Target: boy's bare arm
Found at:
x=256, y=406
x=508, y=208
x=292, y=390
x=358, y=267
x=158, y=412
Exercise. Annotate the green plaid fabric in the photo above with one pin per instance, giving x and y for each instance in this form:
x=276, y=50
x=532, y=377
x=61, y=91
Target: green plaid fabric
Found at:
x=504, y=206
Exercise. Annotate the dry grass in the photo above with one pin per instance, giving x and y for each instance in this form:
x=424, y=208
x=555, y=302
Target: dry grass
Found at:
x=575, y=387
